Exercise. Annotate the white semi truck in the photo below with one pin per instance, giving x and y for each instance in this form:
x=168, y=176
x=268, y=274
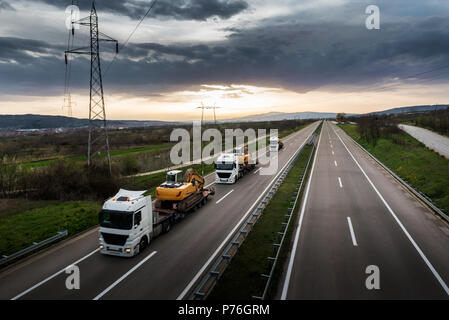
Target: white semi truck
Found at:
x=275, y=144
x=128, y=222
x=229, y=167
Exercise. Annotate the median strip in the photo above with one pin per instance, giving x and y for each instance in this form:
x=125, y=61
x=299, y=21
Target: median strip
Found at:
x=254, y=270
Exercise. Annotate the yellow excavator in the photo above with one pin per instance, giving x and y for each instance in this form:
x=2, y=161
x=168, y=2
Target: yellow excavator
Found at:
x=182, y=194
x=242, y=153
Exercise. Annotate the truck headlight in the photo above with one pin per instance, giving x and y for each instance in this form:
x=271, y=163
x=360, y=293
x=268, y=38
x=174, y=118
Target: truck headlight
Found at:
x=101, y=246
x=127, y=250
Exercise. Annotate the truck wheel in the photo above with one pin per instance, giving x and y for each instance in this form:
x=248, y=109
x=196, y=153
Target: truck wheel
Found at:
x=167, y=227
x=143, y=244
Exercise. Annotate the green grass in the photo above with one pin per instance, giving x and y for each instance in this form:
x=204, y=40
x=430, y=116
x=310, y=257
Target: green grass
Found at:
x=114, y=153
x=20, y=230
x=242, y=279
x=422, y=168
x=9, y=207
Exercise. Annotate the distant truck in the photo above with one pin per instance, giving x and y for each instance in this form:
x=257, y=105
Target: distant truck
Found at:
x=229, y=167
x=276, y=144
x=128, y=220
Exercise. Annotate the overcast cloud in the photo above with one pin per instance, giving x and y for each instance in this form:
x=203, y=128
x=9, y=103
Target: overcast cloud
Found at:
x=301, y=46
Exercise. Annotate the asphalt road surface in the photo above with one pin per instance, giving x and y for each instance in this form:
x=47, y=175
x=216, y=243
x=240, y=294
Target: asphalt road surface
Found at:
x=355, y=215
x=429, y=138
x=164, y=270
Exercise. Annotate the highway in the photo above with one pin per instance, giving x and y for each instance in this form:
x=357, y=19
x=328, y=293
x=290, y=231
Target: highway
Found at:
x=355, y=215
x=165, y=270
x=430, y=139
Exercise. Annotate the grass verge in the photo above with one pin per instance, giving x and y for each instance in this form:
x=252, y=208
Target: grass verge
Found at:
x=20, y=230
x=420, y=167
x=242, y=279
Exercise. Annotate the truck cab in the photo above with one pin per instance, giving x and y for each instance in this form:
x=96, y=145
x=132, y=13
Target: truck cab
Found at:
x=126, y=223
x=274, y=144
x=227, y=168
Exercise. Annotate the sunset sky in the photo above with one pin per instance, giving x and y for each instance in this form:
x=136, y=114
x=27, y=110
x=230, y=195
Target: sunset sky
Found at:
x=245, y=56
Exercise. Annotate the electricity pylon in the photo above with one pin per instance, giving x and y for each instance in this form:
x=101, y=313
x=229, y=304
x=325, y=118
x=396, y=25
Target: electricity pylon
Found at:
x=203, y=107
x=98, y=131
x=68, y=103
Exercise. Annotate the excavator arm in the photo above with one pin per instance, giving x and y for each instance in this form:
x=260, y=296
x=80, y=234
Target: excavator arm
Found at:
x=191, y=176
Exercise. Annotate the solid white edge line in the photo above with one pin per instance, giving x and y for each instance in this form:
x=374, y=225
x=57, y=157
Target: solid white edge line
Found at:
x=339, y=182
x=124, y=276
x=351, y=230
x=257, y=171
x=298, y=230
x=418, y=249
x=53, y=276
x=225, y=241
x=227, y=194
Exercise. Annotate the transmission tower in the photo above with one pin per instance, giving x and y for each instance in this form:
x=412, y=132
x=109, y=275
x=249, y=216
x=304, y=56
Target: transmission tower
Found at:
x=203, y=107
x=98, y=132
x=68, y=104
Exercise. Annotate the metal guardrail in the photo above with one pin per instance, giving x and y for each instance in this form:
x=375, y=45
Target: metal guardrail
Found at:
x=208, y=282
x=421, y=196
x=278, y=246
x=34, y=246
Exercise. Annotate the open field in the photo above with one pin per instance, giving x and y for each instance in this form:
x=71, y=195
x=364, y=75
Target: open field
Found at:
x=114, y=153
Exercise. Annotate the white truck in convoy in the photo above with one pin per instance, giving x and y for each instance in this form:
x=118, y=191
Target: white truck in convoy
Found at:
x=128, y=222
x=229, y=167
x=275, y=144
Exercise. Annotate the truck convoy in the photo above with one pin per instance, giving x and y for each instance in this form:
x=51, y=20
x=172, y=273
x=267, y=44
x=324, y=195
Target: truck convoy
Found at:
x=276, y=144
x=229, y=167
x=129, y=220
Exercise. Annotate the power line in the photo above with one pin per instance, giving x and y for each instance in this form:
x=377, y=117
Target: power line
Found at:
x=68, y=69
x=129, y=37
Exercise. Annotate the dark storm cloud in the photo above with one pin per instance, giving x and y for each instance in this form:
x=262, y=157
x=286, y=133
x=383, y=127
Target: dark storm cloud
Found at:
x=291, y=55
x=25, y=50
x=177, y=9
x=300, y=57
x=5, y=5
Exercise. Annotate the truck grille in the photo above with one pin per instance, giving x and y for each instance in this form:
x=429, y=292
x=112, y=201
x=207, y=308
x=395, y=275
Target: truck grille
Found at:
x=114, y=239
x=224, y=175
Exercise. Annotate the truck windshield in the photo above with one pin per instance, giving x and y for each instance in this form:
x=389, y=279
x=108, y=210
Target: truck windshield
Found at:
x=171, y=178
x=224, y=166
x=116, y=219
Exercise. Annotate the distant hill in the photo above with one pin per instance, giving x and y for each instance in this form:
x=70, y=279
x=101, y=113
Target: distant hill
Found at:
x=424, y=108
x=278, y=116
x=33, y=121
